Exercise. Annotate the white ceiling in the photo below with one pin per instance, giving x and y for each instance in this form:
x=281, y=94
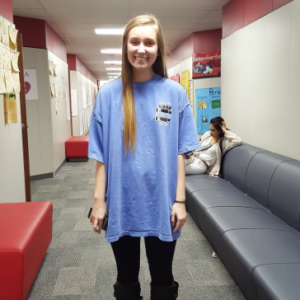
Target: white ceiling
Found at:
x=75, y=21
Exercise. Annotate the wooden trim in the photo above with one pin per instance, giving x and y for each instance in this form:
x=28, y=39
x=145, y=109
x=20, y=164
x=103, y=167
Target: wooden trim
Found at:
x=24, y=120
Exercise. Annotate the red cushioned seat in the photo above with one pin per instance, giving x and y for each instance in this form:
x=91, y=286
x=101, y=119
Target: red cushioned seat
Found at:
x=25, y=235
x=77, y=147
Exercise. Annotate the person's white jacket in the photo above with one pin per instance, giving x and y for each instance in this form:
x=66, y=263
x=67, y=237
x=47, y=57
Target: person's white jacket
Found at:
x=229, y=141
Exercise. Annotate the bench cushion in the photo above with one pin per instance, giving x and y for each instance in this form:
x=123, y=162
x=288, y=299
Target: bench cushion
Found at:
x=26, y=233
x=77, y=147
x=277, y=282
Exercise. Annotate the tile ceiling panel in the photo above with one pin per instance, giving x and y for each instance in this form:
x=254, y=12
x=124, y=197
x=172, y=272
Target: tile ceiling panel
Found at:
x=26, y=4
x=75, y=21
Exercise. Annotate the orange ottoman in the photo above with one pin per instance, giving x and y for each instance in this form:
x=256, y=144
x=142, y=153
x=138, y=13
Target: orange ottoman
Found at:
x=77, y=148
x=25, y=235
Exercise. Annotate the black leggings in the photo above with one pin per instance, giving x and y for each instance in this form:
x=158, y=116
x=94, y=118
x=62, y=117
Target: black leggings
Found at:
x=160, y=257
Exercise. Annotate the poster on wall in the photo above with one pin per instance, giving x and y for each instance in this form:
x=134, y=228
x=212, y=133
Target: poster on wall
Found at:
x=31, y=91
x=208, y=106
x=185, y=82
x=206, y=65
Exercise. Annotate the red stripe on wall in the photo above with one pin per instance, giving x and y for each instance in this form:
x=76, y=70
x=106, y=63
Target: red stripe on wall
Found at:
x=279, y=3
x=255, y=9
x=207, y=41
x=33, y=32
x=182, y=52
x=55, y=44
x=6, y=10
x=71, y=61
x=232, y=17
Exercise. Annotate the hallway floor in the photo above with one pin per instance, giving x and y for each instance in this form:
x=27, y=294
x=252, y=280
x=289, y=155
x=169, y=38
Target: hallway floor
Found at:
x=79, y=264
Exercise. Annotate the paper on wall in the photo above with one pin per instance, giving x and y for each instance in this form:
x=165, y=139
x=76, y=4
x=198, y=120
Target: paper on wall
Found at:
x=30, y=84
x=16, y=80
x=68, y=110
x=2, y=82
x=6, y=58
x=9, y=82
x=51, y=67
x=1, y=20
x=57, y=107
x=54, y=69
x=13, y=33
x=10, y=109
x=1, y=55
x=4, y=38
x=14, y=56
x=74, y=103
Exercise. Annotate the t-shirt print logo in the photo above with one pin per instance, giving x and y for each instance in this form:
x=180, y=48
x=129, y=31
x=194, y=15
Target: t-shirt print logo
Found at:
x=163, y=113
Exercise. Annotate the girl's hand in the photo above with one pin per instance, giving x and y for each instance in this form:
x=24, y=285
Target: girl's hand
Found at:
x=97, y=216
x=224, y=126
x=178, y=215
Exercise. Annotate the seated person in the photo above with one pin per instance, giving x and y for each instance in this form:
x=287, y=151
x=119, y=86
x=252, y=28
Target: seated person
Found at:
x=214, y=144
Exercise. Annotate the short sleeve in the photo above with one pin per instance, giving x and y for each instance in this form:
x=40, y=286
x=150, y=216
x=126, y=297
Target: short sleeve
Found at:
x=188, y=138
x=96, y=139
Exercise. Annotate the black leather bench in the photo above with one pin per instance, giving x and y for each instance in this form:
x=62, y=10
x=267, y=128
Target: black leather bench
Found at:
x=251, y=217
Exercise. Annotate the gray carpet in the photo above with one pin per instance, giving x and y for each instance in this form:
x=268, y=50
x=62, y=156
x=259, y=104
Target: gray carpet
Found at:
x=79, y=264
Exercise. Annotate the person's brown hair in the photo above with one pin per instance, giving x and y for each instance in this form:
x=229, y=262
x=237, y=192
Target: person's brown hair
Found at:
x=159, y=67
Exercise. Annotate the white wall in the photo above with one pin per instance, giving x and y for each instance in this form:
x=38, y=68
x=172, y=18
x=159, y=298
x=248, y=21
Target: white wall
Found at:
x=12, y=181
x=60, y=111
x=47, y=131
x=186, y=64
x=260, y=79
x=85, y=90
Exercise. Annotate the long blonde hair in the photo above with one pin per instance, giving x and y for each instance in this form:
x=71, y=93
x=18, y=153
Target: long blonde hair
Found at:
x=159, y=67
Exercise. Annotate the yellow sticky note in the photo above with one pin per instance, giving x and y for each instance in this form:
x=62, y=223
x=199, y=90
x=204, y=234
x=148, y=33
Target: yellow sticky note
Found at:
x=16, y=80
x=14, y=60
x=4, y=38
x=10, y=109
x=1, y=21
x=1, y=55
x=55, y=69
x=51, y=67
x=13, y=33
x=9, y=82
x=6, y=58
x=2, y=82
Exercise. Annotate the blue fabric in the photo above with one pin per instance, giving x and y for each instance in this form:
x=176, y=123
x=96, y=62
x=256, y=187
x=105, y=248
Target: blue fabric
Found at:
x=141, y=186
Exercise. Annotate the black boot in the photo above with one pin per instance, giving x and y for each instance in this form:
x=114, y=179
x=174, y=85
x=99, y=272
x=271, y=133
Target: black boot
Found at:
x=128, y=292
x=164, y=292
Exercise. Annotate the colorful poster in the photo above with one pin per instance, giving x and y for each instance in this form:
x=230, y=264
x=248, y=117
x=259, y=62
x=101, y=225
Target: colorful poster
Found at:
x=185, y=82
x=207, y=65
x=31, y=91
x=208, y=106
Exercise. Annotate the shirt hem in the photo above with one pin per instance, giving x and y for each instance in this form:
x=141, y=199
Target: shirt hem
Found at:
x=145, y=234
x=98, y=158
x=189, y=149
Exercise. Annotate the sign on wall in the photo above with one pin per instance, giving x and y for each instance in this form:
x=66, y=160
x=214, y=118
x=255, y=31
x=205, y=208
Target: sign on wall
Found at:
x=185, y=82
x=208, y=106
x=175, y=78
x=207, y=64
x=31, y=91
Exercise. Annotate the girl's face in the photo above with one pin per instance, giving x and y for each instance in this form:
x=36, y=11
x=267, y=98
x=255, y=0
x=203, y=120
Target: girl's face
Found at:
x=142, y=50
x=213, y=131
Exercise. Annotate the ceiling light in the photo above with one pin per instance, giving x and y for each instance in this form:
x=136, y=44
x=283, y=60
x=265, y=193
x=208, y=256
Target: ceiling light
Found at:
x=111, y=51
x=110, y=31
x=113, y=62
x=113, y=69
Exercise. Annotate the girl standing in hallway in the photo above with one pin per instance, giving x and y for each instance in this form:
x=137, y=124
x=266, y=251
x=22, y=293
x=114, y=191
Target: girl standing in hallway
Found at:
x=141, y=128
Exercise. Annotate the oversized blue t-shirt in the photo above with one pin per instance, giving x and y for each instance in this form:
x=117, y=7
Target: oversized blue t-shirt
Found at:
x=141, y=186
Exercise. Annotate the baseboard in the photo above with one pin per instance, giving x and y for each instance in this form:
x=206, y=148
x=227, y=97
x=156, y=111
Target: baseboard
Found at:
x=83, y=159
x=59, y=168
x=41, y=176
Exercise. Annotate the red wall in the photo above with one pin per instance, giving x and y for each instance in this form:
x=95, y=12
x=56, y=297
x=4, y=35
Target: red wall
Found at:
x=239, y=13
x=55, y=44
x=33, y=32
x=6, y=10
x=75, y=64
x=197, y=42
x=38, y=34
